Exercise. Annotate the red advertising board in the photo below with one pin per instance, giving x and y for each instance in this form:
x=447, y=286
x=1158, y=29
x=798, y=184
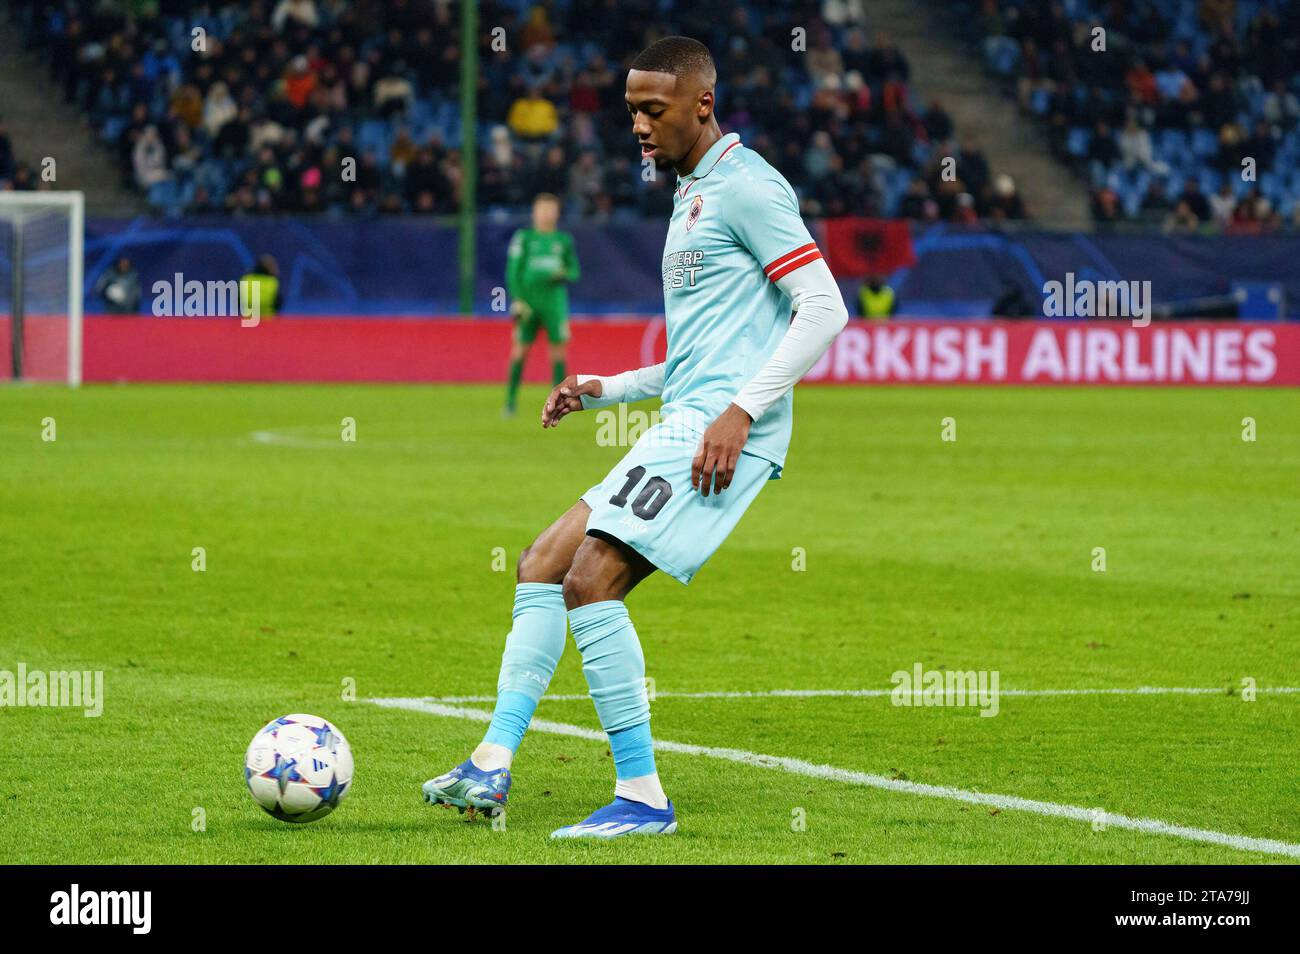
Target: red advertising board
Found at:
x=897, y=352
x=1046, y=352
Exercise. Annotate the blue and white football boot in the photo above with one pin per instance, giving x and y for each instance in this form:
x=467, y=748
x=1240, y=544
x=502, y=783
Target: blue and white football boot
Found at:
x=622, y=817
x=469, y=788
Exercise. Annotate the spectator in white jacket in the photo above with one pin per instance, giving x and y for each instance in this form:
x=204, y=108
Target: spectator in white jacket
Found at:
x=149, y=159
x=302, y=12
x=219, y=108
x=1135, y=145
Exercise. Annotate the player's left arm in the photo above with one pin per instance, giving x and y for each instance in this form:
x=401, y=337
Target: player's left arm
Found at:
x=769, y=225
x=819, y=315
x=572, y=271
x=516, y=262
x=582, y=392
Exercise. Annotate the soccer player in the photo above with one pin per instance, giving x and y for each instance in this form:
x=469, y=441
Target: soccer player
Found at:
x=539, y=267
x=737, y=260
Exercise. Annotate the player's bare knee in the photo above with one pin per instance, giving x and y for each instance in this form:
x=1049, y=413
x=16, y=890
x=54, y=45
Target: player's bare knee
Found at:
x=592, y=578
x=583, y=583
x=536, y=565
x=577, y=587
x=522, y=565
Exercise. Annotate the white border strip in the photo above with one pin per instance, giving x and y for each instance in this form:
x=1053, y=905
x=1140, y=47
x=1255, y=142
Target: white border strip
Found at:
x=831, y=773
x=295, y=440
x=875, y=693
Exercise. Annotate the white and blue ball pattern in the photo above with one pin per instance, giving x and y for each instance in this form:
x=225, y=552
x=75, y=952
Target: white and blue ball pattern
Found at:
x=298, y=768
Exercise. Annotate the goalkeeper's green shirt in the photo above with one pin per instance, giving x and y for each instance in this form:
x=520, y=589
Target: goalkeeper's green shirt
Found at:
x=532, y=264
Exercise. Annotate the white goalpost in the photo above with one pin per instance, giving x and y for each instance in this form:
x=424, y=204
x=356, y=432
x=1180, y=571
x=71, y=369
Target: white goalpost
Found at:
x=42, y=244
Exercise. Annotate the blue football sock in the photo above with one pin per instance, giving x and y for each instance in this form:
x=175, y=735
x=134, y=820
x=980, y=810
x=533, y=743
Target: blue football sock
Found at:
x=532, y=652
x=633, y=751
x=615, y=671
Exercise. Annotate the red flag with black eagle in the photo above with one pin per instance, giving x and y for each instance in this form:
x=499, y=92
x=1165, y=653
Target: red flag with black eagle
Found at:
x=856, y=248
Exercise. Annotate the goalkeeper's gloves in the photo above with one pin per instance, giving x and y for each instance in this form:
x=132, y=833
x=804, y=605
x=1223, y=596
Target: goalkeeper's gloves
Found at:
x=521, y=309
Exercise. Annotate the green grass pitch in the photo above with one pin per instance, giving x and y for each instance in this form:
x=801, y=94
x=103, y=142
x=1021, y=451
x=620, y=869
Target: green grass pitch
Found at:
x=374, y=561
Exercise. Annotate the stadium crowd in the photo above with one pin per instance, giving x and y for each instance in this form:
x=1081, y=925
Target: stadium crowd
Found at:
x=262, y=107
x=1161, y=120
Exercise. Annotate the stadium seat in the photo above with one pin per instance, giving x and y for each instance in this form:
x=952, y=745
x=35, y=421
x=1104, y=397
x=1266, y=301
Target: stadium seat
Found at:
x=1076, y=143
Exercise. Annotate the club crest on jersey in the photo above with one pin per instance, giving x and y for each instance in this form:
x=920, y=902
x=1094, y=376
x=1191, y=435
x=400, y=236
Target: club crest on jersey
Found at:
x=693, y=215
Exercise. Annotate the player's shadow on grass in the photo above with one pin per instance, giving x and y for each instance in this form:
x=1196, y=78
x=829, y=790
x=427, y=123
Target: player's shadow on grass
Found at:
x=340, y=826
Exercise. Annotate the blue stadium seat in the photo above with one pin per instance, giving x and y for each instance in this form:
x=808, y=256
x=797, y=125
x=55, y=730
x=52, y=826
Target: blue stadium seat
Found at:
x=1205, y=143
x=166, y=198
x=111, y=131
x=1131, y=198
x=1077, y=140
x=1171, y=143
x=420, y=112
x=373, y=135
x=1001, y=54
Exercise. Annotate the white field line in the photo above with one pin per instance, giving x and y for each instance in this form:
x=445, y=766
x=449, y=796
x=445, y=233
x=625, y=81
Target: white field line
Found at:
x=874, y=693
x=832, y=774
x=295, y=440
x=311, y=437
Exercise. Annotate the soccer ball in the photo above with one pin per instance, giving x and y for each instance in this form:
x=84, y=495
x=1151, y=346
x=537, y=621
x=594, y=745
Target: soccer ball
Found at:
x=298, y=768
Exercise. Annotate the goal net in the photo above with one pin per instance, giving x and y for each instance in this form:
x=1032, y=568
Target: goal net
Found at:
x=41, y=248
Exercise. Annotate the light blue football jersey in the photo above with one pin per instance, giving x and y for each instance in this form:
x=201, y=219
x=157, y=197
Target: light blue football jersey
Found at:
x=735, y=231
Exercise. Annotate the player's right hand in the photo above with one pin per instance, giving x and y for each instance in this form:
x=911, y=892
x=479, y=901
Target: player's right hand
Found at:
x=520, y=308
x=566, y=397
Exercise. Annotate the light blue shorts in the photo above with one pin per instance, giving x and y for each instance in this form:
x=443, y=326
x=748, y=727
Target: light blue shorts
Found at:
x=647, y=501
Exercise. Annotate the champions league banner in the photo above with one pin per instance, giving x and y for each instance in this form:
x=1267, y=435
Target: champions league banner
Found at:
x=438, y=349
x=400, y=266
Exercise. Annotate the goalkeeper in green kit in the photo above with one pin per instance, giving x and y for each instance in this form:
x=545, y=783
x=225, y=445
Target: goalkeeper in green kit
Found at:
x=539, y=268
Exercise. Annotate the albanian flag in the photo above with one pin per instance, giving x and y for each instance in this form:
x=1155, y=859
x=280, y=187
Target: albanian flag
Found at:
x=856, y=248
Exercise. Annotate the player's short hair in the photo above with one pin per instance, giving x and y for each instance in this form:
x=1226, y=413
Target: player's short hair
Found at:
x=546, y=197
x=680, y=56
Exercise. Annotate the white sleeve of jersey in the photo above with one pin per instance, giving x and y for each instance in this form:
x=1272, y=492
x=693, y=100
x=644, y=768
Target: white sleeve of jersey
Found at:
x=819, y=316
x=635, y=385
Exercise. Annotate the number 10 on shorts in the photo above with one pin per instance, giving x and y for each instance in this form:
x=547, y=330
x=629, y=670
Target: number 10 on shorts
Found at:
x=650, y=500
